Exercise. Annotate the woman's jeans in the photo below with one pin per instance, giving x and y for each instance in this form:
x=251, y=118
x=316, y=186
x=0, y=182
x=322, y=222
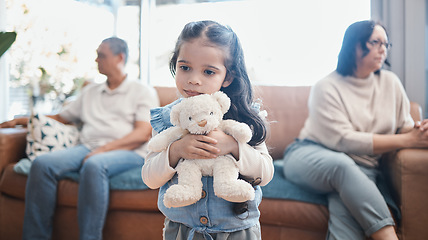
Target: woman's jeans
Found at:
x=356, y=206
x=93, y=198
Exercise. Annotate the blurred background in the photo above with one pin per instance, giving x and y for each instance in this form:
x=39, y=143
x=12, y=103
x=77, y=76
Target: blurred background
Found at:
x=285, y=42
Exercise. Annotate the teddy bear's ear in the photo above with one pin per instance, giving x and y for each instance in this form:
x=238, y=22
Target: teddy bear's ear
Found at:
x=223, y=100
x=175, y=114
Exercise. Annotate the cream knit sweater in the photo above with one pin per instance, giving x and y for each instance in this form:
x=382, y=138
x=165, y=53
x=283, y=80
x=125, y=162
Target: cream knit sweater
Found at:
x=345, y=112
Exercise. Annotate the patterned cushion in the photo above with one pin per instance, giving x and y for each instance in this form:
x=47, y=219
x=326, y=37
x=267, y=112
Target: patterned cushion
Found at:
x=46, y=134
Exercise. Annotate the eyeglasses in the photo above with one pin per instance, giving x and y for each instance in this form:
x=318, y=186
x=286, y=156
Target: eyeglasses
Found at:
x=378, y=44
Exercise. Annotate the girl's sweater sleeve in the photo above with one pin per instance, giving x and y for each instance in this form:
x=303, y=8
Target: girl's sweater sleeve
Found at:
x=156, y=170
x=255, y=162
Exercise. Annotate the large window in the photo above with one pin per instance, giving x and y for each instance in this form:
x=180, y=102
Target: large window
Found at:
x=286, y=42
x=55, y=49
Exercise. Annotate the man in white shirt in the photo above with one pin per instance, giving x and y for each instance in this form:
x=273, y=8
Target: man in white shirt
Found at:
x=115, y=130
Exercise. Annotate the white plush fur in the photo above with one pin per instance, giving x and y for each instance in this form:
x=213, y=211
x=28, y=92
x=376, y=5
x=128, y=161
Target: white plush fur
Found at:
x=200, y=115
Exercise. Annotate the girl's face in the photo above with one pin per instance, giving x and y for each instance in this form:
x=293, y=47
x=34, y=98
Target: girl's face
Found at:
x=200, y=68
x=374, y=60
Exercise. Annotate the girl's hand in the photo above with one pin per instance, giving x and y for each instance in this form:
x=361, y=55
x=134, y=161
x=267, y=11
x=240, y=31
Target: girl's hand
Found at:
x=226, y=143
x=193, y=147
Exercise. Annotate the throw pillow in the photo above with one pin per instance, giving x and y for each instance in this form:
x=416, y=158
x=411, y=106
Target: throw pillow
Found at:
x=46, y=134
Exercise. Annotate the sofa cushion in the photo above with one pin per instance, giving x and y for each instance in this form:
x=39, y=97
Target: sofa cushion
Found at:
x=128, y=180
x=278, y=188
x=13, y=184
x=281, y=188
x=46, y=134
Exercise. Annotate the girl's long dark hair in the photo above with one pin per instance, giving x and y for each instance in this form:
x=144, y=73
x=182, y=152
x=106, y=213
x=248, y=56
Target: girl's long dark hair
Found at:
x=240, y=90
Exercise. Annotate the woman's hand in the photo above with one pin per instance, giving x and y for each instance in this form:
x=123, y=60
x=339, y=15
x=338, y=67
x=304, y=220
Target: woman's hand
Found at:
x=422, y=126
x=418, y=136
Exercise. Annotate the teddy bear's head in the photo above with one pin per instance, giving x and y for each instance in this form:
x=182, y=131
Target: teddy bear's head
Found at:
x=200, y=114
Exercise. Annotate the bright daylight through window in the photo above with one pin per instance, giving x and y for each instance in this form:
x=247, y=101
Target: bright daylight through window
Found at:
x=285, y=42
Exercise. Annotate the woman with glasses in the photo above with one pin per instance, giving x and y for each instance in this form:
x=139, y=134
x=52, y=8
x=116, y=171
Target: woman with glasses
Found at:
x=356, y=113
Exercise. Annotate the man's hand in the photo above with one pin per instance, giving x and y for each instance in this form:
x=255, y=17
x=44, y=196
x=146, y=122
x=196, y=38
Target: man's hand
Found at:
x=96, y=151
x=8, y=124
x=12, y=123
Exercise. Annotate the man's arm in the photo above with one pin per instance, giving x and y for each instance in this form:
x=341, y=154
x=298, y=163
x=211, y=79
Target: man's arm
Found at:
x=58, y=118
x=24, y=120
x=14, y=122
x=141, y=134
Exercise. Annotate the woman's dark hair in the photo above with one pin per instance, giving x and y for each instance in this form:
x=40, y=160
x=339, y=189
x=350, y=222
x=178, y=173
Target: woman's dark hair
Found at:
x=117, y=46
x=239, y=91
x=356, y=34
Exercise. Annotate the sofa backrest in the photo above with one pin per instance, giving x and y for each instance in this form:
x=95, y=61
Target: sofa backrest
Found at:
x=166, y=94
x=286, y=108
x=287, y=111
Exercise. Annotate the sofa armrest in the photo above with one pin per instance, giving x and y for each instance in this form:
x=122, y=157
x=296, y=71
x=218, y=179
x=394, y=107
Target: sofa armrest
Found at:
x=12, y=146
x=407, y=175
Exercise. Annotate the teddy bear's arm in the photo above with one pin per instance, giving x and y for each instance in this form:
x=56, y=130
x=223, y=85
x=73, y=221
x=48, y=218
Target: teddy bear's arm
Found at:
x=162, y=140
x=240, y=131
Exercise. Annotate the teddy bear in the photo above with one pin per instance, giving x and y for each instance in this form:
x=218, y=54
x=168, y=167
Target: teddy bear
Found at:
x=199, y=115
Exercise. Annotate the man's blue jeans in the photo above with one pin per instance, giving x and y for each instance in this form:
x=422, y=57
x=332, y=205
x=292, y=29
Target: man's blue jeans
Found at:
x=93, y=199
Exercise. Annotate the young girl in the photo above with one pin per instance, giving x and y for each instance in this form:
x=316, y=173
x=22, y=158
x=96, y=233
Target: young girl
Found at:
x=207, y=58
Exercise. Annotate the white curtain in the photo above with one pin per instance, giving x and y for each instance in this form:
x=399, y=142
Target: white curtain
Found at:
x=405, y=23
